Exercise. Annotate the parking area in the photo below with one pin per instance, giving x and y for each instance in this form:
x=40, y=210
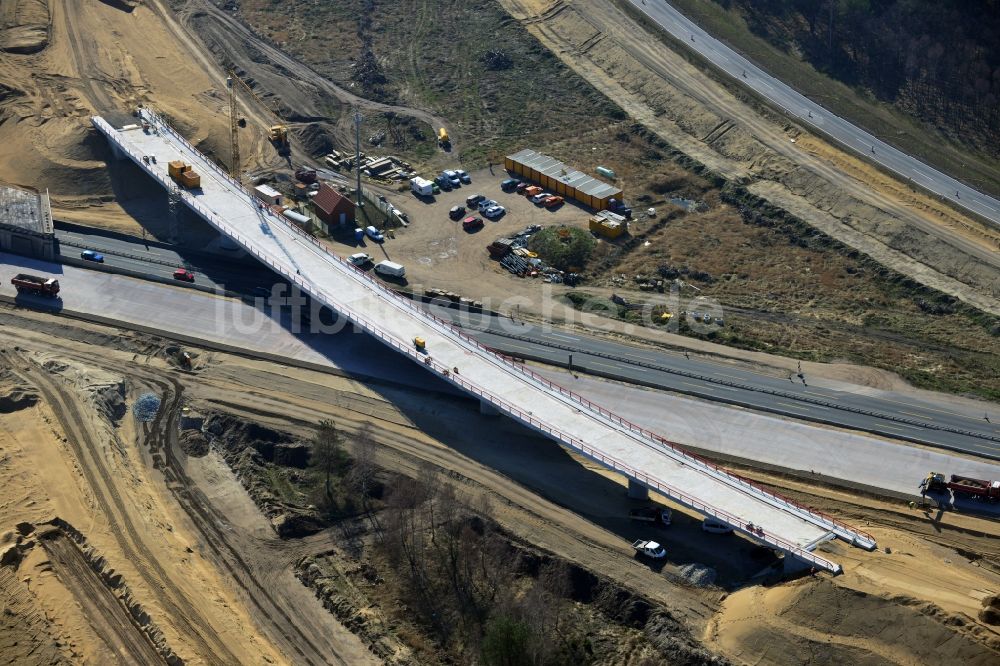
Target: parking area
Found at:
x=438, y=253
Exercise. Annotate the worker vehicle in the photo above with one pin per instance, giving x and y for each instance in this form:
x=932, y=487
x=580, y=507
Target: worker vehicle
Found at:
x=443, y=138
x=306, y=175
x=360, y=259
x=91, y=255
x=435, y=189
x=421, y=186
x=444, y=183
x=649, y=549
x=420, y=344
x=390, y=269
x=484, y=204
x=493, y=212
x=374, y=234
x=456, y=212
x=540, y=197
x=715, y=526
x=553, y=202
x=472, y=223
x=463, y=176
x=474, y=199
x=975, y=488
x=452, y=177
x=934, y=482
x=651, y=514
x=183, y=275
x=26, y=283
x=509, y=185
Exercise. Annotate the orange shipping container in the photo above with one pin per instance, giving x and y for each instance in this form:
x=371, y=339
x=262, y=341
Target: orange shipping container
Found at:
x=176, y=168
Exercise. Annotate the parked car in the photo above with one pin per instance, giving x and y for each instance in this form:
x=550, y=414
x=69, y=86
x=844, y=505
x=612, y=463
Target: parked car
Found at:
x=184, y=275
x=485, y=203
x=521, y=187
x=494, y=212
x=90, y=255
x=374, y=234
x=474, y=199
x=532, y=191
x=472, y=223
x=360, y=259
x=463, y=176
x=509, y=185
x=444, y=183
x=452, y=177
x=553, y=202
x=715, y=526
x=540, y=197
x=456, y=212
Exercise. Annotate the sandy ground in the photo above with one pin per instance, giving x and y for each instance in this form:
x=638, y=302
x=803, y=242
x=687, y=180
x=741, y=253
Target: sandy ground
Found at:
x=144, y=527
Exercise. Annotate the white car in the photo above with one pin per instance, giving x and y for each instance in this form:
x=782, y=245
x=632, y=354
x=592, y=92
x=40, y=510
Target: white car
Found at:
x=540, y=197
x=716, y=526
x=484, y=204
x=494, y=211
x=360, y=259
x=463, y=176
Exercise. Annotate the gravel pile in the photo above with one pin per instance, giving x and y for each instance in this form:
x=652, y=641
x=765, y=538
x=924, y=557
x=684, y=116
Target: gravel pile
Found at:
x=698, y=574
x=145, y=407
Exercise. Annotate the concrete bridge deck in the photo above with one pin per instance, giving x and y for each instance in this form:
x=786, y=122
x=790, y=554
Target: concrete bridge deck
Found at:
x=511, y=388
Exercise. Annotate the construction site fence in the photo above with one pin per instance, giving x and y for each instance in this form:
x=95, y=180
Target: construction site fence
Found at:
x=221, y=225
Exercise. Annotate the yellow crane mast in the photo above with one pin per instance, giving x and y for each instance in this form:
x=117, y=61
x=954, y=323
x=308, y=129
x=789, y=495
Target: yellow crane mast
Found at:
x=277, y=133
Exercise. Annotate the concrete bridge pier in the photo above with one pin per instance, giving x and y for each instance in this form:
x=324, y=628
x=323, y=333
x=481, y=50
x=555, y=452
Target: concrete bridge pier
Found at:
x=486, y=408
x=637, y=491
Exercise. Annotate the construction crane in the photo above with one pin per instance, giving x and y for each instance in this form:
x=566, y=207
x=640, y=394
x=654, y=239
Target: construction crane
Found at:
x=277, y=134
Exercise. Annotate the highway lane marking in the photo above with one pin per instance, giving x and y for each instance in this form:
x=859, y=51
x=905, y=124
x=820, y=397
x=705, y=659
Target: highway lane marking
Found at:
x=922, y=416
x=564, y=337
x=720, y=374
x=605, y=365
x=785, y=404
x=698, y=386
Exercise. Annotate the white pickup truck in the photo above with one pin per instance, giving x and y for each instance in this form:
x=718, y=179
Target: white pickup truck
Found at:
x=649, y=549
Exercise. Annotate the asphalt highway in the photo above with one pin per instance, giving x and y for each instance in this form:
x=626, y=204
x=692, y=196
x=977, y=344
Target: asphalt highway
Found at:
x=810, y=113
x=895, y=416
x=889, y=415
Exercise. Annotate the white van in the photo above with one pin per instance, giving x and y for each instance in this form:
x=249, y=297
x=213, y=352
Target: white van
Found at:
x=390, y=269
x=715, y=526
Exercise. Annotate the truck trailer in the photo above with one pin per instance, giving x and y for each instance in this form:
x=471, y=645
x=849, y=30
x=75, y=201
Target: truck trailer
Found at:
x=422, y=187
x=26, y=283
x=977, y=488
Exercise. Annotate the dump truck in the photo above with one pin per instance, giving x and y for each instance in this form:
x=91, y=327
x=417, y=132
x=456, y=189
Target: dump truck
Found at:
x=977, y=488
x=443, y=138
x=649, y=549
x=26, y=283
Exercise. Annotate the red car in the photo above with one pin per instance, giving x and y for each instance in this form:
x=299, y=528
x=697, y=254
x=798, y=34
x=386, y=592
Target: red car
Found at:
x=185, y=275
x=553, y=202
x=472, y=223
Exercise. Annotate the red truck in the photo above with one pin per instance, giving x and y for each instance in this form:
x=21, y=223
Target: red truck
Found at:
x=25, y=283
x=978, y=488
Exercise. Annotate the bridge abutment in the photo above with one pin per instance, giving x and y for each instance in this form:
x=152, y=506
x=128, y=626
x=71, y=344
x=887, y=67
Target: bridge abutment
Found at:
x=637, y=491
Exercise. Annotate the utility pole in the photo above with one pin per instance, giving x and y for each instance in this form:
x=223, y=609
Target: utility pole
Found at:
x=357, y=151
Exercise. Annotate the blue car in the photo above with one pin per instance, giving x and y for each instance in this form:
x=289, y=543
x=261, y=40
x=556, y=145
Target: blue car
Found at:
x=90, y=255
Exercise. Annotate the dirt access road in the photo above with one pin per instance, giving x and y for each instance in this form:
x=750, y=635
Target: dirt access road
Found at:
x=838, y=194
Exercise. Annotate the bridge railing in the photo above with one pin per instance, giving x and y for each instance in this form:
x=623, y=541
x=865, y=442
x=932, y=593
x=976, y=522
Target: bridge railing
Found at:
x=450, y=327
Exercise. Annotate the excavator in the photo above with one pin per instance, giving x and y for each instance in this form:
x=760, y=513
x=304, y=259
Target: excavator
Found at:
x=277, y=133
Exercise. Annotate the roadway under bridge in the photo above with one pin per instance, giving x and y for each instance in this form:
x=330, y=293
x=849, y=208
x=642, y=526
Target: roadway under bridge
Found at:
x=648, y=460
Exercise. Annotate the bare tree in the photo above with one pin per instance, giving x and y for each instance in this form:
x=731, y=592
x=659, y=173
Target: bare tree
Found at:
x=363, y=472
x=326, y=452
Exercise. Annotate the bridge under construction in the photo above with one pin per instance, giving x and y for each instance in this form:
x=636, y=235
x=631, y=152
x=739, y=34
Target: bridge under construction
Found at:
x=502, y=386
